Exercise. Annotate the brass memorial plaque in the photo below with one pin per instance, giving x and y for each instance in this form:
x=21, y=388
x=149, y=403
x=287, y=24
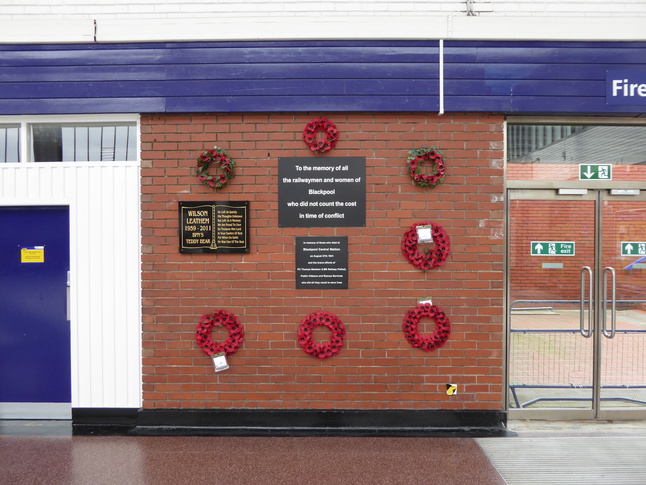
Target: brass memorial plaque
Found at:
x=214, y=227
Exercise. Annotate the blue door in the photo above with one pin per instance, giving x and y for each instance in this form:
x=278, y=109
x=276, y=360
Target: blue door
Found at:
x=35, y=366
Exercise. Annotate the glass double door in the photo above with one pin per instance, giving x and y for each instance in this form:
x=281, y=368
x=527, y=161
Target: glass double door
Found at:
x=576, y=306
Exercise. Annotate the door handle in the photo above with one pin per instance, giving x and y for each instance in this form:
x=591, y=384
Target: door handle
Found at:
x=586, y=332
x=69, y=298
x=613, y=305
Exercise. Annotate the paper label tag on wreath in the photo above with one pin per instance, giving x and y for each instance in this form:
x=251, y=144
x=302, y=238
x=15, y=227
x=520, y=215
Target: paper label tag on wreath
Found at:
x=220, y=362
x=428, y=259
x=425, y=234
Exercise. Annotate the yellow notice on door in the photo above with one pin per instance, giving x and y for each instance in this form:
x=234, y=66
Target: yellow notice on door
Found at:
x=35, y=254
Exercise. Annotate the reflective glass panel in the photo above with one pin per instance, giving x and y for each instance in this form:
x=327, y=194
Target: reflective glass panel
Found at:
x=84, y=143
x=623, y=352
x=550, y=356
x=576, y=152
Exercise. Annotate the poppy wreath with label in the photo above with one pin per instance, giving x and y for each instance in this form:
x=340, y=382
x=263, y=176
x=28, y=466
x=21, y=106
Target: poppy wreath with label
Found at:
x=228, y=320
x=318, y=319
x=311, y=135
x=415, y=160
x=426, y=342
x=218, y=157
x=431, y=258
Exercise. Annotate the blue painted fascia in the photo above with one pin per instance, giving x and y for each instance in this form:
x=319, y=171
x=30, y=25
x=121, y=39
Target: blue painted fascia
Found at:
x=314, y=76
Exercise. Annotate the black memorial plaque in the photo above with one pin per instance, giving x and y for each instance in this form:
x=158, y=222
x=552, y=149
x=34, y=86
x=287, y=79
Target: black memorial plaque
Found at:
x=214, y=227
x=322, y=192
x=322, y=263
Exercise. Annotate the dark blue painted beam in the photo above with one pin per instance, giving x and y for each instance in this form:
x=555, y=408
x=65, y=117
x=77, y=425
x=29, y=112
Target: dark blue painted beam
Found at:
x=288, y=71
x=217, y=88
x=505, y=77
x=536, y=77
x=219, y=53
x=250, y=104
x=82, y=106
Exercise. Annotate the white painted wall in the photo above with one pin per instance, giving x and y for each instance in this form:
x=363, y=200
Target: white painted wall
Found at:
x=159, y=20
x=173, y=9
x=105, y=268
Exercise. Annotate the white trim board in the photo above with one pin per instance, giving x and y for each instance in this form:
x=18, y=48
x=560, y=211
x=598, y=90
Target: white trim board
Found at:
x=423, y=27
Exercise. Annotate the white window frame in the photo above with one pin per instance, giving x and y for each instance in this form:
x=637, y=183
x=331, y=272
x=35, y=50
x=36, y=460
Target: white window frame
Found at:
x=24, y=136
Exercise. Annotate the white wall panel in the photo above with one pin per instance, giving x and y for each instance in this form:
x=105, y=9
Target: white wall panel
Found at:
x=135, y=9
x=172, y=20
x=105, y=270
x=34, y=27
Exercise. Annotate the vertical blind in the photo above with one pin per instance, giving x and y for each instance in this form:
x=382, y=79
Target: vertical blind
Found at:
x=83, y=143
x=57, y=142
x=9, y=144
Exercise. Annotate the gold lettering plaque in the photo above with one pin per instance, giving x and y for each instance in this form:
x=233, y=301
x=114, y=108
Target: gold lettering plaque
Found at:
x=214, y=227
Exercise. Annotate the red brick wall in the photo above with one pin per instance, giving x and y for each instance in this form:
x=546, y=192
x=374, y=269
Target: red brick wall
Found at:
x=377, y=368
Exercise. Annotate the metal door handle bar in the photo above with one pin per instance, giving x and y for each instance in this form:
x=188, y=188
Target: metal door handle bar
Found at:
x=613, y=304
x=69, y=298
x=586, y=332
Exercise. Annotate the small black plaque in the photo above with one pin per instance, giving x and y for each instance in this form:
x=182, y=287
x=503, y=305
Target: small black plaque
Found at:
x=322, y=263
x=214, y=227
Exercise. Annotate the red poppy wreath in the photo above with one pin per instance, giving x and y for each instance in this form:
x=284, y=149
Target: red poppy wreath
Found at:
x=415, y=160
x=217, y=156
x=210, y=320
x=317, y=319
x=431, y=258
x=426, y=342
x=323, y=144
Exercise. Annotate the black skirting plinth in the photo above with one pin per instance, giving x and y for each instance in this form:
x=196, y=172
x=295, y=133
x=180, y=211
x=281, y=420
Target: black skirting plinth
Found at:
x=263, y=422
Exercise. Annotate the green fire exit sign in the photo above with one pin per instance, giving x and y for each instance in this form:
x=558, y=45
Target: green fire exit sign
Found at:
x=631, y=248
x=552, y=248
x=589, y=171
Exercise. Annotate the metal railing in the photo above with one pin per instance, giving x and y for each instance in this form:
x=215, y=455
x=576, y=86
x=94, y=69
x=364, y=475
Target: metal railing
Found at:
x=556, y=364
